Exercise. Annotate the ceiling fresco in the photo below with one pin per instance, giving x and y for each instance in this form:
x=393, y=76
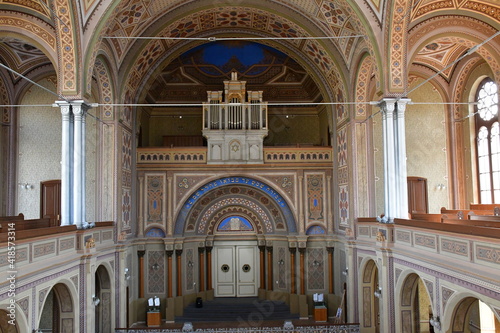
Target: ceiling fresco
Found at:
x=21, y=56
x=205, y=67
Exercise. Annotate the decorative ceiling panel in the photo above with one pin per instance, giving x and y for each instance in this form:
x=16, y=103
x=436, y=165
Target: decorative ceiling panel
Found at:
x=490, y=8
x=39, y=6
x=438, y=54
x=20, y=56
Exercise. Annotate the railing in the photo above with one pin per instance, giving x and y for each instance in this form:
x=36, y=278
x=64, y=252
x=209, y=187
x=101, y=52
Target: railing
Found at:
x=339, y=328
x=235, y=116
x=198, y=155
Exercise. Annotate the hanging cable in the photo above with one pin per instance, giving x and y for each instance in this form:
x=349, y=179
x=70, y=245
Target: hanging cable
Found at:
x=213, y=39
x=33, y=82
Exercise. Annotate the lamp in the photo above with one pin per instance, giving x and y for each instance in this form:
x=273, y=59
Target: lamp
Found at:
x=316, y=263
x=95, y=300
x=435, y=322
x=281, y=262
x=345, y=272
x=127, y=274
x=26, y=186
x=155, y=266
x=378, y=292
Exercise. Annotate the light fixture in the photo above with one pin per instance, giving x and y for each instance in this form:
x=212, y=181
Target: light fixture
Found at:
x=378, y=292
x=316, y=263
x=190, y=263
x=435, y=322
x=281, y=262
x=127, y=274
x=440, y=187
x=95, y=300
x=155, y=266
x=26, y=186
x=345, y=272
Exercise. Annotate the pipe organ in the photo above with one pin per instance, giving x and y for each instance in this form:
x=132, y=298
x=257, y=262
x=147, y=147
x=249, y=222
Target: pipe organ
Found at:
x=235, y=124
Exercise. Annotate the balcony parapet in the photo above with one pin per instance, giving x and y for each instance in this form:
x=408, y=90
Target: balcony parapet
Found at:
x=198, y=155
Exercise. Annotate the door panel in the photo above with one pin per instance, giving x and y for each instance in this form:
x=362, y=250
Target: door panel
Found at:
x=235, y=270
x=246, y=271
x=50, y=201
x=225, y=271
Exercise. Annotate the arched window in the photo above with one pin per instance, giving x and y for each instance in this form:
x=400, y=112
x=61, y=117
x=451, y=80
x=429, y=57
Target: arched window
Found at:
x=488, y=142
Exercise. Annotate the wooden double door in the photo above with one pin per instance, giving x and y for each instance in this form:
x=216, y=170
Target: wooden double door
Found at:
x=236, y=269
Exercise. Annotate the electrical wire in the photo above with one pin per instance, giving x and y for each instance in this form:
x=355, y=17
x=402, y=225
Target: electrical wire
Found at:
x=213, y=39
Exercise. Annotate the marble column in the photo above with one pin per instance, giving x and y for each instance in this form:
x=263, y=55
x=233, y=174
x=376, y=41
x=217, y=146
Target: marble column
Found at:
x=66, y=162
x=394, y=144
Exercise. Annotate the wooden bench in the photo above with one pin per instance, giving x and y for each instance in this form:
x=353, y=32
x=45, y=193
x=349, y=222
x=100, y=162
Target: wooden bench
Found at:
x=18, y=225
x=476, y=223
x=486, y=207
x=12, y=218
x=426, y=217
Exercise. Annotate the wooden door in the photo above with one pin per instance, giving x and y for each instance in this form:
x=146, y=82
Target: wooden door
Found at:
x=50, y=201
x=417, y=195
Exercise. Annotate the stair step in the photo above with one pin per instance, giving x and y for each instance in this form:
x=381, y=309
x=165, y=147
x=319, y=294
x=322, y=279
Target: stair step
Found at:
x=236, y=309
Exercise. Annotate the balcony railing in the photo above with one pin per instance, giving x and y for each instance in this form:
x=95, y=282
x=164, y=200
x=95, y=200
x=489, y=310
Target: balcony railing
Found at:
x=198, y=155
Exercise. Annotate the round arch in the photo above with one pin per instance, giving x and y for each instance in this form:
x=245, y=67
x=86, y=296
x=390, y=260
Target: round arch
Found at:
x=103, y=293
x=461, y=307
x=415, y=307
x=369, y=283
x=58, y=312
x=258, y=200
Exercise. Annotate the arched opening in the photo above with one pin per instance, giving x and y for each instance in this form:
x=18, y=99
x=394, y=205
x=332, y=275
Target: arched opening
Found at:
x=102, y=301
x=370, y=285
x=58, y=311
x=416, y=306
x=6, y=323
x=471, y=315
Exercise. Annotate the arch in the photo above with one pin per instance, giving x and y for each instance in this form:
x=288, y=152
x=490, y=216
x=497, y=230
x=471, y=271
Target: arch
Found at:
x=414, y=308
x=7, y=324
x=103, y=292
x=58, y=312
x=218, y=198
x=461, y=307
x=370, y=305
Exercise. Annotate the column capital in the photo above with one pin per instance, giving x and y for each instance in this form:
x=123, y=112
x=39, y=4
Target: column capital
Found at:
x=141, y=253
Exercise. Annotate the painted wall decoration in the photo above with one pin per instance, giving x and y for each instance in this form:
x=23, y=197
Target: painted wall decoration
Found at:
x=315, y=196
x=315, y=268
x=315, y=230
x=235, y=223
x=155, y=198
x=156, y=272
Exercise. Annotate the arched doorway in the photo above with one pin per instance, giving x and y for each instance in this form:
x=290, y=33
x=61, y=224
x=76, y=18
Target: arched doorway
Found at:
x=415, y=306
x=472, y=315
x=5, y=326
x=102, y=301
x=236, y=214
x=58, y=311
x=371, y=311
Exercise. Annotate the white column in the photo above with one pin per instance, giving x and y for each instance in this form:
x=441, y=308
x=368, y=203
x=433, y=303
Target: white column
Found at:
x=66, y=162
x=387, y=106
x=395, y=173
x=402, y=184
x=79, y=108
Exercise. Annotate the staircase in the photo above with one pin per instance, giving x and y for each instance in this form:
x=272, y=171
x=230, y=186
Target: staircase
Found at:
x=248, y=310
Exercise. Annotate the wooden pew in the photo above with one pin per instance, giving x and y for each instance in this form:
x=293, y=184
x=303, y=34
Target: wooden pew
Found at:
x=18, y=225
x=487, y=207
x=488, y=223
x=426, y=217
x=12, y=218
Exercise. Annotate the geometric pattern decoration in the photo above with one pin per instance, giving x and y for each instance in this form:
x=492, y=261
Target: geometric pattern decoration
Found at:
x=105, y=89
x=342, y=147
x=315, y=230
x=344, y=204
x=314, y=190
x=281, y=268
x=155, y=198
x=156, y=272
x=213, y=18
x=315, y=269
